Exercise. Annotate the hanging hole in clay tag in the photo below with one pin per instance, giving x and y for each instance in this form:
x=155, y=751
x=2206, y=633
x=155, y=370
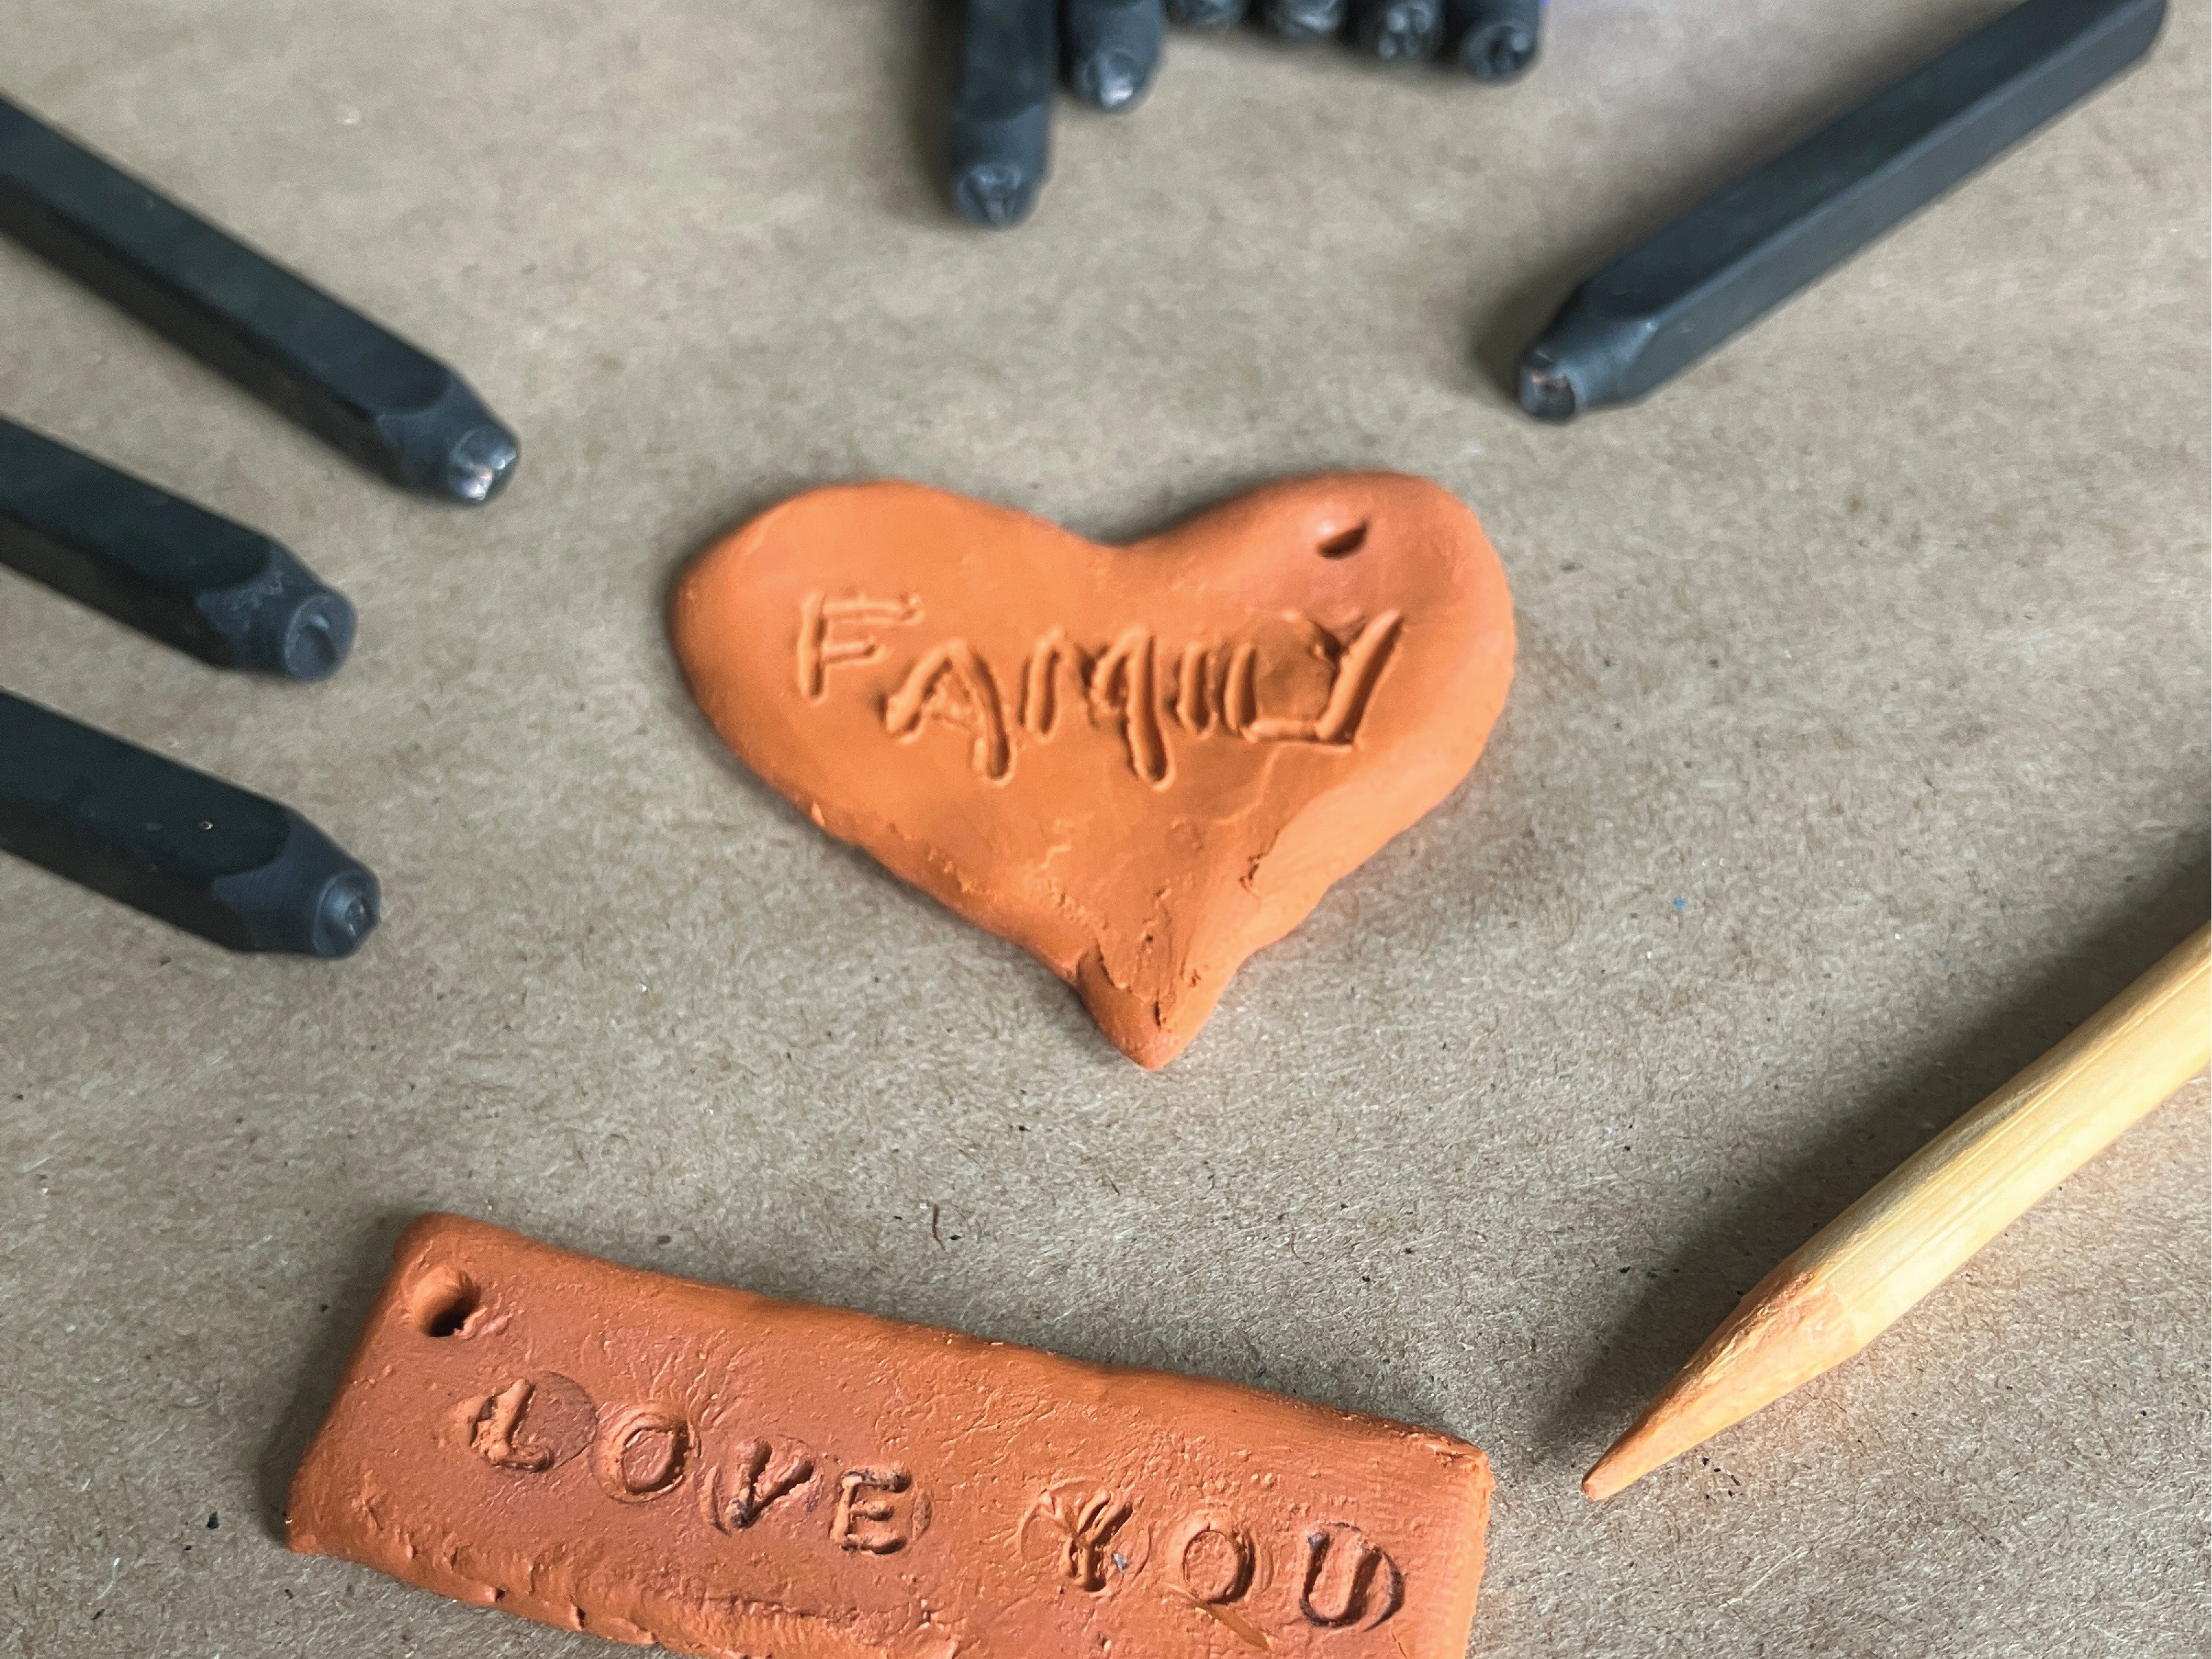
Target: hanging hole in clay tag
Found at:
x=444, y=1303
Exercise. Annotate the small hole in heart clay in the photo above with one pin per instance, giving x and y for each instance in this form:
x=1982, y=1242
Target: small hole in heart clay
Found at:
x=1343, y=543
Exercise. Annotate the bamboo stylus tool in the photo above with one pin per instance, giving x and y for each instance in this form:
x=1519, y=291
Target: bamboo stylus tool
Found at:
x=1857, y=1275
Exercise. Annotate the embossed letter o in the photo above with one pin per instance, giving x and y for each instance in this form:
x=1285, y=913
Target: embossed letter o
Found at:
x=641, y=1452
x=1217, y=1563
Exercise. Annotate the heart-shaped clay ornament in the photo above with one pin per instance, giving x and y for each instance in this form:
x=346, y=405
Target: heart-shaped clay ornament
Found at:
x=1141, y=764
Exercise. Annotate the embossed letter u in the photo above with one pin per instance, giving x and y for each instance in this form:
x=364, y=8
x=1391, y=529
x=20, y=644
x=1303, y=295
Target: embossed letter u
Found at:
x=1365, y=1592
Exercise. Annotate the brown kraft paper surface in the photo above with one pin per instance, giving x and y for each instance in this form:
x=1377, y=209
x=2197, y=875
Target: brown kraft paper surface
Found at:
x=659, y=1461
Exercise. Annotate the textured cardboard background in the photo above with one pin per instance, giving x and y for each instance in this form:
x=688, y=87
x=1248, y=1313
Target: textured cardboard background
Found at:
x=1859, y=748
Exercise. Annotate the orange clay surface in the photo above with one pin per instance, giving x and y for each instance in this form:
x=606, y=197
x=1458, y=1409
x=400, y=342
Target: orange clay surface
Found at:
x=654, y=1460
x=1142, y=764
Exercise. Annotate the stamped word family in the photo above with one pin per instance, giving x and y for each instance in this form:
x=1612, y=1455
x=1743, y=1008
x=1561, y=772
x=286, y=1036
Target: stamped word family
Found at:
x=1144, y=691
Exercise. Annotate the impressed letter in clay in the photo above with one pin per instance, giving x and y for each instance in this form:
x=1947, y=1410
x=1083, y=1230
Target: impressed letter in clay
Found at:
x=1141, y=764
x=663, y=1461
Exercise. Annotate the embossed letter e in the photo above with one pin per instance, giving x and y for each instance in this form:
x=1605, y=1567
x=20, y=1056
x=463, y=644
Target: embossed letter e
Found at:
x=863, y=1520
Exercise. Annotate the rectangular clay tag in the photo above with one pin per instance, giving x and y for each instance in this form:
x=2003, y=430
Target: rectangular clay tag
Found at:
x=654, y=1460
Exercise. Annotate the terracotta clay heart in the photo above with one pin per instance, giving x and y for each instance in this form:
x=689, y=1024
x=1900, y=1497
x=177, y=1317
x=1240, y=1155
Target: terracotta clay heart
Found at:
x=1141, y=764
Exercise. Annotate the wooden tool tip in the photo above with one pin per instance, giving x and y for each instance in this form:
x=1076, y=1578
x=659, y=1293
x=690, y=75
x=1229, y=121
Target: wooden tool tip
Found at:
x=1789, y=1330
x=1845, y=1286
x=1631, y=1457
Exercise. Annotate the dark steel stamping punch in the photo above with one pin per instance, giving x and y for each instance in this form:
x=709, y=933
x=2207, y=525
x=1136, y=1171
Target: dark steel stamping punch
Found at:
x=1682, y=291
x=1495, y=40
x=1002, y=108
x=198, y=852
x=231, y=596
x=351, y=382
x=1113, y=49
